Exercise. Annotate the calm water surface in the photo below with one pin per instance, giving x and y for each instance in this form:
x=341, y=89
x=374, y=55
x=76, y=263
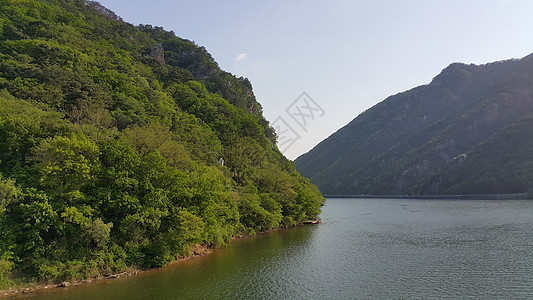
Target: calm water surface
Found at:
x=364, y=249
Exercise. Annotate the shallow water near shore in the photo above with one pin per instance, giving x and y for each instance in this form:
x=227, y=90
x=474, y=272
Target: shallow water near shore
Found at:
x=364, y=249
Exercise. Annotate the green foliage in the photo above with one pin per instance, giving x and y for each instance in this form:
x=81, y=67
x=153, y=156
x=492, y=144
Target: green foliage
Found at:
x=97, y=233
x=22, y=127
x=9, y=193
x=110, y=159
x=255, y=216
x=6, y=265
x=66, y=163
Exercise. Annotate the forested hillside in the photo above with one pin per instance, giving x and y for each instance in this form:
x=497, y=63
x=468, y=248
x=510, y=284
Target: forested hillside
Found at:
x=467, y=132
x=121, y=146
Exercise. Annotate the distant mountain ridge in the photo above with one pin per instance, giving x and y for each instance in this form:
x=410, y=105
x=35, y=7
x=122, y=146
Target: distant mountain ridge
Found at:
x=445, y=137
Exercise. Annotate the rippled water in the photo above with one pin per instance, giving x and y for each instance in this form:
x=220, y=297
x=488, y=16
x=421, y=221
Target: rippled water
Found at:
x=364, y=249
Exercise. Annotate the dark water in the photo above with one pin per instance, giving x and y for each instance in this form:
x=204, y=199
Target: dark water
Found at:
x=364, y=249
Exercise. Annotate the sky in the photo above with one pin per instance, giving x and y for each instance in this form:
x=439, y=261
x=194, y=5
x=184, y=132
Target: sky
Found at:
x=315, y=65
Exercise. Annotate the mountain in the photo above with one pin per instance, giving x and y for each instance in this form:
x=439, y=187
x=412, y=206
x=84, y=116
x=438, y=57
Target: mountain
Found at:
x=466, y=132
x=123, y=146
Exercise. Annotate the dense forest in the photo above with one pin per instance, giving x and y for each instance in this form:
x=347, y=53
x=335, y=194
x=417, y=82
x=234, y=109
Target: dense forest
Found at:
x=121, y=146
x=466, y=132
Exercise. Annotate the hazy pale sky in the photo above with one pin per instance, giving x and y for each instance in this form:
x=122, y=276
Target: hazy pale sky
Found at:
x=345, y=55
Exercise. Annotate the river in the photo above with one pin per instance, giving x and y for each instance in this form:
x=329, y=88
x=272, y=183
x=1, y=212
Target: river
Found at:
x=364, y=249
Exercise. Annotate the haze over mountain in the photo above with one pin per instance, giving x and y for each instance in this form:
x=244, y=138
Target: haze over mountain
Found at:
x=469, y=131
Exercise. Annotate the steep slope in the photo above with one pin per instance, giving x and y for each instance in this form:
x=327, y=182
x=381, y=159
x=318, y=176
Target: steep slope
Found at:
x=395, y=146
x=122, y=146
x=502, y=164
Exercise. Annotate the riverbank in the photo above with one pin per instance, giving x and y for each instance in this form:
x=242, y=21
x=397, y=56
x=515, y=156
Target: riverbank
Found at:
x=36, y=288
x=195, y=252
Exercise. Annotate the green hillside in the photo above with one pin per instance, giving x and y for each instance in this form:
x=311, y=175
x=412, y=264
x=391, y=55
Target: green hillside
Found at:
x=121, y=146
x=411, y=142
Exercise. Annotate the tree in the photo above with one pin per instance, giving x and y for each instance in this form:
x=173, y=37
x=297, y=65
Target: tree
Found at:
x=9, y=193
x=67, y=164
x=243, y=154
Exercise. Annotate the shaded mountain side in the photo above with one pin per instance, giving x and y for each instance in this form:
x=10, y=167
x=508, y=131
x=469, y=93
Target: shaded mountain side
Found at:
x=395, y=146
x=502, y=164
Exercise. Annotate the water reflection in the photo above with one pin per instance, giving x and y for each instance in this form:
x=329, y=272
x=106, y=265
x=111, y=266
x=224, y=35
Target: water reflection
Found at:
x=364, y=249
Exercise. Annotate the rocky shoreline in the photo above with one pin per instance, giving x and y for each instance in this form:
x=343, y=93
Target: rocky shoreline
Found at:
x=41, y=288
